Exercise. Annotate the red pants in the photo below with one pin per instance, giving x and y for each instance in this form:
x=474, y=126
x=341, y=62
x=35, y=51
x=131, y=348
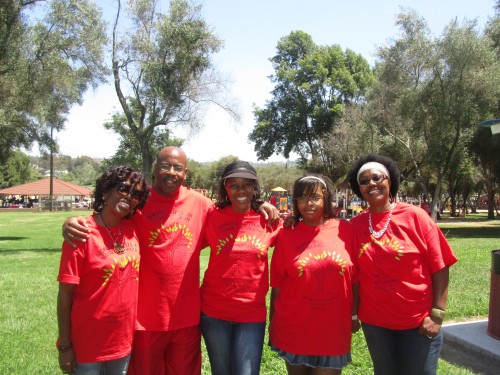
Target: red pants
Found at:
x=175, y=352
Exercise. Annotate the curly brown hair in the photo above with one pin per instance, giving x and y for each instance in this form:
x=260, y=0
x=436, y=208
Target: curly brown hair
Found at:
x=114, y=175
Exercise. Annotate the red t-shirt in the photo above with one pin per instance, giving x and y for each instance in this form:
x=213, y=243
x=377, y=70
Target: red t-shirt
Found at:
x=170, y=232
x=313, y=269
x=105, y=299
x=395, y=271
x=237, y=278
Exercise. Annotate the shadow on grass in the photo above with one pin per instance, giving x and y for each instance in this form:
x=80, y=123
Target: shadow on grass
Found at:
x=7, y=252
x=469, y=232
x=12, y=238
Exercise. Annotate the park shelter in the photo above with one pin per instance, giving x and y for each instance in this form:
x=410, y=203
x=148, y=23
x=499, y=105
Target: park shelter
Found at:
x=63, y=192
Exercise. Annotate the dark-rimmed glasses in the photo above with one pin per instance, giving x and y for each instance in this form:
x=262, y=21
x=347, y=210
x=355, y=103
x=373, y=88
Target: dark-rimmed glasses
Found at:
x=176, y=167
x=125, y=189
x=375, y=178
x=313, y=199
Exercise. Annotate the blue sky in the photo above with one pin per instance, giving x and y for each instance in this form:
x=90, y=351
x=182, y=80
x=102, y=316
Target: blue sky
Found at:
x=251, y=30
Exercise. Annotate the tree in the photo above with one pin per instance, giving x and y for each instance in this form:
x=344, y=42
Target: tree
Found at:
x=274, y=175
x=484, y=147
x=199, y=176
x=313, y=86
x=439, y=91
x=49, y=64
x=351, y=136
x=17, y=170
x=83, y=170
x=163, y=73
x=129, y=150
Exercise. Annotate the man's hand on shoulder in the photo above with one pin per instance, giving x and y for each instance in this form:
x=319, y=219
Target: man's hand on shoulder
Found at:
x=75, y=229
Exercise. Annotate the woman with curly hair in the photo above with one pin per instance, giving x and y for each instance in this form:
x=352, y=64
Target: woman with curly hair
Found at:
x=98, y=281
x=235, y=285
x=403, y=261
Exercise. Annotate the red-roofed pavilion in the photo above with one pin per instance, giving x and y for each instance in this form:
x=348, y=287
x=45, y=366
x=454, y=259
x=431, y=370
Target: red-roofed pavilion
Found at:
x=61, y=189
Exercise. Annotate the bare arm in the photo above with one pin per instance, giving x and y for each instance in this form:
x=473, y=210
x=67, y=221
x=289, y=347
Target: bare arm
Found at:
x=432, y=325
x=67, y=361
x=355, y=326
x=275, y=292
x=75, y=229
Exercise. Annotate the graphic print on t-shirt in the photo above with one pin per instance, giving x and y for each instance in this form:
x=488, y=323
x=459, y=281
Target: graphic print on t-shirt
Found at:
x=117, y=276
x=384, y=251
x=175, y=236
x=321, y=267
x=242, y=251
x=226, y=243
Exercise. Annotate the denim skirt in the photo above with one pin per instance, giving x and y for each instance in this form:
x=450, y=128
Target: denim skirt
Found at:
x=322, y=361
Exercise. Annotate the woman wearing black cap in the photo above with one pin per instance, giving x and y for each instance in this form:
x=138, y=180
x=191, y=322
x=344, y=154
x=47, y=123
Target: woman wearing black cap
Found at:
x=233, y=293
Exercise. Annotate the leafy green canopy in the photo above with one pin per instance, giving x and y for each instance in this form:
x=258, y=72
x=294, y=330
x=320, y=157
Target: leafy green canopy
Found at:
x=45, y=67
x=163, y=74
x=430, y=95
x=313, y=84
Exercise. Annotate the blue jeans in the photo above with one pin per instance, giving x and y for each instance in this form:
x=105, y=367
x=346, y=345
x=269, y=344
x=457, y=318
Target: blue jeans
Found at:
x=113, y=367
x=233, y=348
x=402, y=352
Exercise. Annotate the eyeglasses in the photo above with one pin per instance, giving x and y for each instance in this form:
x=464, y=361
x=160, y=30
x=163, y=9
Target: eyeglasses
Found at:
x=167, y=167
x=375, y=178
x=313, y=199
x=125, y=189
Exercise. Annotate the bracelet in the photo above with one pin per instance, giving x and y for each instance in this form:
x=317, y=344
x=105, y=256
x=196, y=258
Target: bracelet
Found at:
x=64, y=348
x=438, y=313
x=355, y=317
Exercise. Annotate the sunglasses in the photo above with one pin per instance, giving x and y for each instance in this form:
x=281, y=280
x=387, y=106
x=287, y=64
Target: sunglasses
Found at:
x=313, y=199
x=125, y=189
x=375, y=178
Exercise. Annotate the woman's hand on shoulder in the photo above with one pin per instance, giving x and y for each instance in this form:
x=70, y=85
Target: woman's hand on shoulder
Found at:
x=270, y=213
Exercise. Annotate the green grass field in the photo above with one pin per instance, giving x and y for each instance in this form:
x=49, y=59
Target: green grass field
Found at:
x=29, y=259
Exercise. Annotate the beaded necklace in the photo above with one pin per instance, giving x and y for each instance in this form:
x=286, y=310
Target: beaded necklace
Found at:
x=380, y=233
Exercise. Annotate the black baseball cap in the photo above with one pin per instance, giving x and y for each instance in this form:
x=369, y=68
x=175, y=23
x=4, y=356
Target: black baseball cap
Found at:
x=240, y=169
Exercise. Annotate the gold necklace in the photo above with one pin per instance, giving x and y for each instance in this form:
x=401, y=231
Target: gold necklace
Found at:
x=118, y=248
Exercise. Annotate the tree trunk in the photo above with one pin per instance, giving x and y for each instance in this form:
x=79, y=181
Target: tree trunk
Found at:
x=435, y=197
x=147, y=159
x=491, y=202
x=453, y=206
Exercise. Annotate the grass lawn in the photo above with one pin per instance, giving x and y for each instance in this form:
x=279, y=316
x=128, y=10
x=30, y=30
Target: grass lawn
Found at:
x=29, y=259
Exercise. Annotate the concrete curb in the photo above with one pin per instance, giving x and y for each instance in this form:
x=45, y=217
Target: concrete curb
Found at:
x=469, y=345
